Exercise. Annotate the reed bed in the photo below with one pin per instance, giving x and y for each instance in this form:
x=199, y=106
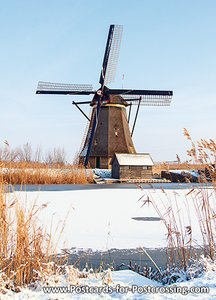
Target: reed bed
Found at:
x=25, y=246
x=23, y=166
x=26, y=173
x=28, y=255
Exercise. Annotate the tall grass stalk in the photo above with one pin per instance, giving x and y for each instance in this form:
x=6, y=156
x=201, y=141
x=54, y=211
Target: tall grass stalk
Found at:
x=200, y=199
x=178, y=226
x=204, y=199
x=25, y=246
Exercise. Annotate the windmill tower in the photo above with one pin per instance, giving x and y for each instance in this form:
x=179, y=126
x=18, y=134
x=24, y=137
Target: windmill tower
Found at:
x=108, y=126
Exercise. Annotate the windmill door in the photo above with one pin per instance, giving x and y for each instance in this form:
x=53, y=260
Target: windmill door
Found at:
x=98, y=162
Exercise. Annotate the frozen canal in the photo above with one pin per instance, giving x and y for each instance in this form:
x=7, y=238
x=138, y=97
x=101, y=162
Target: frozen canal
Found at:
x=110, y=219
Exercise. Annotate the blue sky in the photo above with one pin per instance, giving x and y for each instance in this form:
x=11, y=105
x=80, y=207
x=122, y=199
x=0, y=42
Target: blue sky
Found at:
x=166, y=44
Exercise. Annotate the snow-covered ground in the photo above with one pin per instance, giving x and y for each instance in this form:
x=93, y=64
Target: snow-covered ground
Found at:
x=120, y=285
x=104, y=173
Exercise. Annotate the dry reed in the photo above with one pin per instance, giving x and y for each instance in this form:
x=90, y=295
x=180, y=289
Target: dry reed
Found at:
x=27, y=174
x=18, y=167
x=26, y=248
x=201, y=198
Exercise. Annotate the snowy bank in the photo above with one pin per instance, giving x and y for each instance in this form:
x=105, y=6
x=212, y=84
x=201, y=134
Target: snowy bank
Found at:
x=122, y=285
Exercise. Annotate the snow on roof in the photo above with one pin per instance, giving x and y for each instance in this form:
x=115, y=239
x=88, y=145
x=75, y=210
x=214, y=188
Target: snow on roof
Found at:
x=125, y=159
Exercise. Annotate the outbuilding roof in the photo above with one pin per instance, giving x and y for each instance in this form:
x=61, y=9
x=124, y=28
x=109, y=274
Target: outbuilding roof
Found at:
x=136, y=159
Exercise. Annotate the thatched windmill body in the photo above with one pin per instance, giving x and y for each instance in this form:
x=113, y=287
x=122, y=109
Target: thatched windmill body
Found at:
x=108, y=129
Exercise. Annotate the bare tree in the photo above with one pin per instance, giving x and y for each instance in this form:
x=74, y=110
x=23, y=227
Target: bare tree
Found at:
x=25, y=153
x=48, y=158
x=59, y=156
x=38, y=154
x=7, y=154
x=27, y=149
x=55, y=156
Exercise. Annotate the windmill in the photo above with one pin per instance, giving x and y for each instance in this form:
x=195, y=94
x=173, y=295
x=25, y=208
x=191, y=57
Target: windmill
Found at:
x=108, y=130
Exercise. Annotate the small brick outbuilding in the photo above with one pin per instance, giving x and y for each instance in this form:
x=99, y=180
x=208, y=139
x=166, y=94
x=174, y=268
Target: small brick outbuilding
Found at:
x=132, y=166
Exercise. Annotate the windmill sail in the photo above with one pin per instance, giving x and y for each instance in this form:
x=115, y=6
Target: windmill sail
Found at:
x=148, y=100
x=107, y=74
x=111, y=55
x=63, y=88
x=138, y=92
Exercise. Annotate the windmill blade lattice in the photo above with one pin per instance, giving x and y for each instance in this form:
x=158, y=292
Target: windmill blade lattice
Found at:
x=148, y=100
x=114, y=55
x=138, y=92
x=111, y=55
x=63, y=88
